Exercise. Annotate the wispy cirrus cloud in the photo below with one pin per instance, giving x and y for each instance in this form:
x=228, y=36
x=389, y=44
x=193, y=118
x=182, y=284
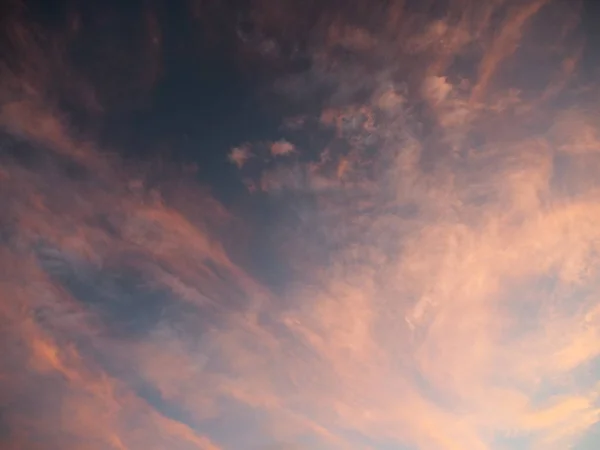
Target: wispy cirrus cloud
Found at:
x=441, y=256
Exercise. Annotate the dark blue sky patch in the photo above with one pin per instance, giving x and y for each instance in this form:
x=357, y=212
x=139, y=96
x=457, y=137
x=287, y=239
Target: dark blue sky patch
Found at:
x=120, y=296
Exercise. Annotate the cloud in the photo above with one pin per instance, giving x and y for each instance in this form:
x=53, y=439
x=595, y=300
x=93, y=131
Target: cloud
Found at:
x=440, y=243
x=239, y=156
x=436, y=89
x=282, y=148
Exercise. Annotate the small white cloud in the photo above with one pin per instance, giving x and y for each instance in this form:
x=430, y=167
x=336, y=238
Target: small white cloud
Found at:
x=282, y=148
x=239, y=155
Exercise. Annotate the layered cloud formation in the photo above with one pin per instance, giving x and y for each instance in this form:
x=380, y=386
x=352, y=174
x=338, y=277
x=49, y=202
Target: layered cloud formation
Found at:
x=435, y=230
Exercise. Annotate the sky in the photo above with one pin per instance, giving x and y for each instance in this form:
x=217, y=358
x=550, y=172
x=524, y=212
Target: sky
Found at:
x=296, y=225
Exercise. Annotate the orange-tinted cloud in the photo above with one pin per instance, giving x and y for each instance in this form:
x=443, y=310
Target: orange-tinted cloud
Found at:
x=443, y=268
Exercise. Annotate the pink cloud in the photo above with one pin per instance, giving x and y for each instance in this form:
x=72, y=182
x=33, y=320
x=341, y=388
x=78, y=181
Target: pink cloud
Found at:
x=437, y=295
x=282, y=148
x=240, y=155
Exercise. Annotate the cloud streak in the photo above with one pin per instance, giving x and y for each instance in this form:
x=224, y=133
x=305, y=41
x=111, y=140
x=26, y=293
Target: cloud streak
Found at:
x=440, y=247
